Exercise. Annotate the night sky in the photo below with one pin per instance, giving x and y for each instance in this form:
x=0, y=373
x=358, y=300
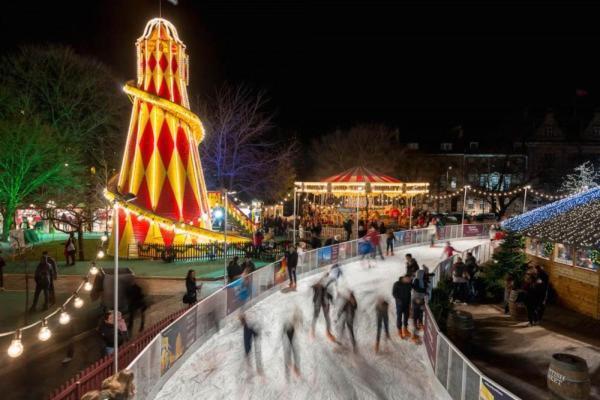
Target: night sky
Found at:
x=421, y=66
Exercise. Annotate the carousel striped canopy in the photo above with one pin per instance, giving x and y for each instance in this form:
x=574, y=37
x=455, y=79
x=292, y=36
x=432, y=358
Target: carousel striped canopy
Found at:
x=360, y=175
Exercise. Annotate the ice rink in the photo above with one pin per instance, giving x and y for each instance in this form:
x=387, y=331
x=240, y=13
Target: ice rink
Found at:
x=218, y=370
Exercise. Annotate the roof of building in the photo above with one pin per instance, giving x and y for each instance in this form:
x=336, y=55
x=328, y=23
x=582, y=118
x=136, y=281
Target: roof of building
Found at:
x=574, y=220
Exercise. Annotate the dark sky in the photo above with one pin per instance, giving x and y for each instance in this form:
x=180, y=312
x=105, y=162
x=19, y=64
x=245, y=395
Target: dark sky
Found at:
x=423, y=66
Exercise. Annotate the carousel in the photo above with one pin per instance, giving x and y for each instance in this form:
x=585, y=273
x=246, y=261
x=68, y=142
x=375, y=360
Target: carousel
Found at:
x=358, y=193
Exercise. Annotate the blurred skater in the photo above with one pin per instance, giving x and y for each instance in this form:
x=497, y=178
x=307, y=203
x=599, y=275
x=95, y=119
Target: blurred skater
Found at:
x=381, y=310
x=411, y=265
x=322, y=300
x=291, y=257
x=389, y=242
x=290, y=352
x=448, y=251
x=401, y=292
x=346, y=317
x=251, y=336
x=419, y=286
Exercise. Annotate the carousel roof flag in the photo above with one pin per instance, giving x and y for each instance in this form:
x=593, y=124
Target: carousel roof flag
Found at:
x=361, y=181
x=161, y=164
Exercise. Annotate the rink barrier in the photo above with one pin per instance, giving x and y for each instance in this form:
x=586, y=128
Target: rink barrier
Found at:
x=163, y=348
x=452, y=369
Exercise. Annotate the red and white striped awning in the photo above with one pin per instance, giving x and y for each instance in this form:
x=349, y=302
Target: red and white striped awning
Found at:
x=360, y=175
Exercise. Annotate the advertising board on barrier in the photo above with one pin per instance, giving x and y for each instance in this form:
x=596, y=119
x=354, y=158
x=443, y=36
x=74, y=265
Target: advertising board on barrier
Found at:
x=324, y=256
x=176, y=339
x=490, y=391
x=472, y=230
x=430, y=338
x=335, y=253
x=238, y=292
x=344, y=250
x=279, y=272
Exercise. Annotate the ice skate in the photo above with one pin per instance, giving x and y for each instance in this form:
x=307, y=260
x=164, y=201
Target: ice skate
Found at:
x=405, y=334
x=416, y=339
x=331, y=337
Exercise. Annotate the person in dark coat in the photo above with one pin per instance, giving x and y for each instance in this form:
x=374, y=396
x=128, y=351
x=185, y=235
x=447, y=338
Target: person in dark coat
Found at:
x=411, y=265
x=346, y=316
x=322, y=300
x=381, y=312
x=348, y=228
x=137, y=303
x=532, y=300
x=191, y=290
x=543, y=282
x=291, y=258
x=42, y=283
x=315, y=241
x=70, y=249
x=251, y=336
x=401, y=292
x=53, y=277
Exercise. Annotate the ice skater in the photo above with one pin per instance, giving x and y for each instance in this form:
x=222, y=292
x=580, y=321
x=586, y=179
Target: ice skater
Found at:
x=381, y=311
x=389, y=242
x=251, y=336
x=346, y=316
x=322, y=300
x=291, y=257
x=448, y=251
x=291, y=356
x=401, y=292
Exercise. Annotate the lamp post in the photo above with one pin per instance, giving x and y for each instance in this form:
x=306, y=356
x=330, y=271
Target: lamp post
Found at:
x=226, y=202
x=127, y=198
x=294, y=227
x=525, y=198
x=462, y=221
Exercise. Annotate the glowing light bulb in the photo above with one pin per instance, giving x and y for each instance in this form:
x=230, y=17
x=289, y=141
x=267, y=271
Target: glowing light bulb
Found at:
x=45, y=333
x=104, y=238
x=88, y=286
x=100, y=254
x=78, y=302
x=16, y=347
x=93, y=270
x=64, y=318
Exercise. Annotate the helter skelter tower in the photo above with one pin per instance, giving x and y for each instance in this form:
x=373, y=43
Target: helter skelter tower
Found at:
x=161, y=164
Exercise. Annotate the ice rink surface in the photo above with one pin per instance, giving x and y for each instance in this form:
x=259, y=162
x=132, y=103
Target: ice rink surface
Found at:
x=400, y=370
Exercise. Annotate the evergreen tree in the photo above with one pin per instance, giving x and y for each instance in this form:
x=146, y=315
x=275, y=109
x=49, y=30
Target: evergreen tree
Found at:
x=510, y=259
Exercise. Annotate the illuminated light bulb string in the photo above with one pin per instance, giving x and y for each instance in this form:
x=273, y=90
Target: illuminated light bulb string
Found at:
x=483, y=192
x=16, y=348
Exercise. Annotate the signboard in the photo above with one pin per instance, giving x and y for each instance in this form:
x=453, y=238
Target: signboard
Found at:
x=344, y=250
x=324, y=256
x=335, y=253
x=176, y=339
x=279, y=272
x=238, y=292
x=491, y=391
x=472, y=230
x=430, y=338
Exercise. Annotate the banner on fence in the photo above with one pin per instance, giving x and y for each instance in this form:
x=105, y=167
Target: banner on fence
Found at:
x=279, y=271
x=344, y=250
x=430, y=338
x=335, y=253
x=324, y=256
x=490, y=391
x=399, y=236
x=176, y=339
x=472, y=230
x=238, y=292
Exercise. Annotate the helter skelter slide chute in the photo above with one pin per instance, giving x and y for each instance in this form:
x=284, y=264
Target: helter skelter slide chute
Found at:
x=161, y=164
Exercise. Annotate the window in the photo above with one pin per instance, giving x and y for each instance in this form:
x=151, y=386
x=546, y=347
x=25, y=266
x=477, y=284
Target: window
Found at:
x=545, y=249
x=587, y=258
x=474, y=145
x=413, y=146
x=446, y=146
x=564, y=254
x=453, y=183
x=596, y=130
x=532, y=246
x=548, y=130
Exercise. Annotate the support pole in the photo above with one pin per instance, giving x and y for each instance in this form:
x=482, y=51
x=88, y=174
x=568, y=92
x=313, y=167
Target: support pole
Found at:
x=525, y=199
x=225, y=237
x=116, y=242
x=410, y=213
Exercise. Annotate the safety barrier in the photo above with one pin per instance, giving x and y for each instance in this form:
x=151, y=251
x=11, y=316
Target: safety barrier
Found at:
x=459, y=376
x=166, y=352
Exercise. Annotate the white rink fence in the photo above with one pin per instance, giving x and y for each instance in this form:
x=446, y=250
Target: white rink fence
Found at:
x=174, y=344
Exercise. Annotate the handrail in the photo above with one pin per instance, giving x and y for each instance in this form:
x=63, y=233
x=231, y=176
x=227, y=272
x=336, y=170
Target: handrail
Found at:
x=312, y=260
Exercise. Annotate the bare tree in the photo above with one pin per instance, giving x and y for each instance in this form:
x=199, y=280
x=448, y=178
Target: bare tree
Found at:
x=238, y=153
x=584, y=177
x=373, y=146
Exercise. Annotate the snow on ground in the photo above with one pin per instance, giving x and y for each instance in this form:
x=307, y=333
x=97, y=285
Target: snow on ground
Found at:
x=327, y=371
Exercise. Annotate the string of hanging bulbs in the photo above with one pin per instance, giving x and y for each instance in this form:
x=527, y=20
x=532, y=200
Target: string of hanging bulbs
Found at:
x=16, y=347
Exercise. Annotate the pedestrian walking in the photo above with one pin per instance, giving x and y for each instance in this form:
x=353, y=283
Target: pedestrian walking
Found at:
x=389, y=242
x=346, y=316
x=42, y=283
x=381, y=313
x=191, y=289
x=53, y=276
x=70, y=249
x=251, y=336
x=322, y=301
x=291, y=258
x=401, y=292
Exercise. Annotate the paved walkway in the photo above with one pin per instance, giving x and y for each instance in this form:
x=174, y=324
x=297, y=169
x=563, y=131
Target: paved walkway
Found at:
x=517, y=356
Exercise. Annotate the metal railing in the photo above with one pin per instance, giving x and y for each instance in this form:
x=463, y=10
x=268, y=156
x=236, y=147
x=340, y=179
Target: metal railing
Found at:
x=153, y=364
x=459, y=376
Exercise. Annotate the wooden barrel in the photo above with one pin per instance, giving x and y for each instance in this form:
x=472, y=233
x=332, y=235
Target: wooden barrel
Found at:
x=460, y=327
x=517, y=310
x=568, y=377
